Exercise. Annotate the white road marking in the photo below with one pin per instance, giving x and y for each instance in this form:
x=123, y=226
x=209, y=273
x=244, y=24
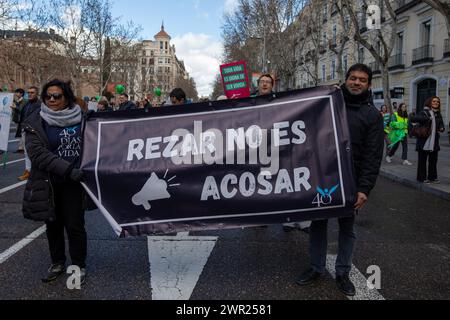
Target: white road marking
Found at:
x=11, y=162
x=14, y=186
x=12, y=141
x=176, y=264
x=362, y=290
x=8, y=253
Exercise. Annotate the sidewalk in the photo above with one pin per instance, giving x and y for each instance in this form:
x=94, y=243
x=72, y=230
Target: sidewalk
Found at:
x=407, y=174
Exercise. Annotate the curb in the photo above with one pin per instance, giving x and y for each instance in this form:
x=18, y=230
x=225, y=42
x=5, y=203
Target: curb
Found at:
x=414, y=184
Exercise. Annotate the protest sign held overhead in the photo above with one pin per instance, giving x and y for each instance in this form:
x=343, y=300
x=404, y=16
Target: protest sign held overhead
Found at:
x=235, y=80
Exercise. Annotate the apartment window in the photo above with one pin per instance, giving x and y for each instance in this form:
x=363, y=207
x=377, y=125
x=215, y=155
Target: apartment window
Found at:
x=333, y=68
x=325, y=11
x=381, y=5
x=144, y=53
x=347, y=23
x=166, y=45
x=426, y=33
x=324, y=39
x=160, y=69
x=334, y=7
x=345, y=63
x=361, y=55
x=334, y=34
x=400, y=43
x=323, y=72
x=152, y=53
x=161, y=45
x=144, y=61
x=160, y=60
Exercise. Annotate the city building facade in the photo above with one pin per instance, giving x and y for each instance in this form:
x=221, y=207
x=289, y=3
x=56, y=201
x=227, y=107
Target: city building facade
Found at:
x=419, y=66
x=146, y=66
x=158, y=67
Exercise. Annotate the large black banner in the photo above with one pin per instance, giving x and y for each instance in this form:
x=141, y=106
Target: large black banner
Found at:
x=222, y=164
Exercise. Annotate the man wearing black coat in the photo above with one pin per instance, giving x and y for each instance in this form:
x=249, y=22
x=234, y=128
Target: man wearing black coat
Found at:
x=126, y=104
x=366, y=133
x=19, y=104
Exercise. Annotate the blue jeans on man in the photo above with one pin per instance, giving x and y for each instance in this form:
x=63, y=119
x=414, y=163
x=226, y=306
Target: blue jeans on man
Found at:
x=318, y=238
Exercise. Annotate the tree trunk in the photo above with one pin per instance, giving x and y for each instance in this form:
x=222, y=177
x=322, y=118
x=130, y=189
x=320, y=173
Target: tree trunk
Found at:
x=386, y=87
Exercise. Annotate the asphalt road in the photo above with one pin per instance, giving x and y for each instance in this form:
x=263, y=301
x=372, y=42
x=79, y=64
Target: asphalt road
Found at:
x=402, y=230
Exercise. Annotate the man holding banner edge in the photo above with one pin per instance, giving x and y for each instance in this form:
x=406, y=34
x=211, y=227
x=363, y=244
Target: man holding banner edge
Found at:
x=366, y=133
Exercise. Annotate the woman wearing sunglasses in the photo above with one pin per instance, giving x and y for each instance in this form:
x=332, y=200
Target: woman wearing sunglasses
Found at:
x=53, y=193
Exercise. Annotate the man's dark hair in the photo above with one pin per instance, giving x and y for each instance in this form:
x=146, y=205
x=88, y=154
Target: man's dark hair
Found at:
x=178, y=93
x=34, y=88
x=125, y=95
x=360, y=67
x=21, y=91
x=267, y=75
x=64, y=86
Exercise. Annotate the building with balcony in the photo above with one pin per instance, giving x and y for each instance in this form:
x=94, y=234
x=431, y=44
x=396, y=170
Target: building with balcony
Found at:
x=30, y=57
x=157, y=66
x=419, y=66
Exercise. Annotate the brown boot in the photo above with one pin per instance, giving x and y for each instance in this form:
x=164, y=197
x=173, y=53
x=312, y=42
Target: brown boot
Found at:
x=24, y=176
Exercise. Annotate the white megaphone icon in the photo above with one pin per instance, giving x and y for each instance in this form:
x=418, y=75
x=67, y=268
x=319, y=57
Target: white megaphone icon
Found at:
x=154, y=189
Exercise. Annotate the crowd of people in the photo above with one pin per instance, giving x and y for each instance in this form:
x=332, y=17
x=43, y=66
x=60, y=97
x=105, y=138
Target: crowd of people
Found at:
x=400, y=125
x=49, y=129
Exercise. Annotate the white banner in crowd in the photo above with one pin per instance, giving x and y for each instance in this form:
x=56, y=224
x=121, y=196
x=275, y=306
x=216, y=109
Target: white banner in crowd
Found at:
x=6, y=100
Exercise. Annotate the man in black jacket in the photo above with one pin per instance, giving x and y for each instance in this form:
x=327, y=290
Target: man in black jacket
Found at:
x=18, y=105
x=33, y=105
x=366, y=133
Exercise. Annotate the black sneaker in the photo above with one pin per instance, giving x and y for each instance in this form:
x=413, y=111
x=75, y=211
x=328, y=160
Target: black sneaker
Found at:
x=308, y=277
x=435, y=181
x=54, y=272
x=345, y=285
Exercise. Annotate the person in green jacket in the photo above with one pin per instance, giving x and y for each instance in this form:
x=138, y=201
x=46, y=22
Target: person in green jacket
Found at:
x=398, y=133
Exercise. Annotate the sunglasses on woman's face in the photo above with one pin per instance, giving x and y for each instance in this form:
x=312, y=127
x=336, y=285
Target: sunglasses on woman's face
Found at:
x=56, y=96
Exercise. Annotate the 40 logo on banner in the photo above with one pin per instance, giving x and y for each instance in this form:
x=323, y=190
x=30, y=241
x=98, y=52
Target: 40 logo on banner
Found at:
x=324, y=197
